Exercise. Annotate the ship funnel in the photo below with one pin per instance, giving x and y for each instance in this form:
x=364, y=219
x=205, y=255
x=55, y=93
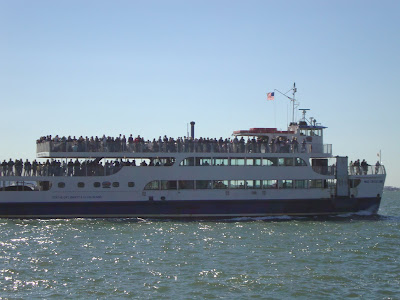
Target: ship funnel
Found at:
x=192, y=129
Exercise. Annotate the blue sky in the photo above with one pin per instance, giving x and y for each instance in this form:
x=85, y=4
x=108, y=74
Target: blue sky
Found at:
x=150, y=67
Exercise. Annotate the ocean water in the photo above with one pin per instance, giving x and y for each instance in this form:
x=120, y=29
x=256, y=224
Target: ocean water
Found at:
x=350, y=256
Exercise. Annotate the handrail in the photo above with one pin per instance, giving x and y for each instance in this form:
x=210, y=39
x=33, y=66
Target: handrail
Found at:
x=173, y=147
x=367, y=170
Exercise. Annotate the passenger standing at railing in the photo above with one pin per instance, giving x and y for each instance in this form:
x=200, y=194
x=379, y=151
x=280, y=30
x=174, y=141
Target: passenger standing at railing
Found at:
x=364, y=166
x=34, y=167
x=377, y=167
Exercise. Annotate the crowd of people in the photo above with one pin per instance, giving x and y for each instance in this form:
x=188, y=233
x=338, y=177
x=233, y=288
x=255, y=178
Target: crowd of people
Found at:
x=70, y=168
x=361, y=168
x=279, y=144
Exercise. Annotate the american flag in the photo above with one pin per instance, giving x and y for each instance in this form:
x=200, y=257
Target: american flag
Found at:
x=270, y=96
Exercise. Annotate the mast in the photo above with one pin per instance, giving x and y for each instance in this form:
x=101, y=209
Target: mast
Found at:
x=293, y=100
x=294, y=90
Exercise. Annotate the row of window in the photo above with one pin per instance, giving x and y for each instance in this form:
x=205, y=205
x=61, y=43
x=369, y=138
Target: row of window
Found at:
x=239, y=184
x=104, y=184
x=232, y=161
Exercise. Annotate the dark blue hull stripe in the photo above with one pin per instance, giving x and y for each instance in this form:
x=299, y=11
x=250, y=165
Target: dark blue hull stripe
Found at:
x=189, y=208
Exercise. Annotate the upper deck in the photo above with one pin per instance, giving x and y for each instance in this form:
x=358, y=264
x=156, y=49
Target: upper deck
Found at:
x=109, y=147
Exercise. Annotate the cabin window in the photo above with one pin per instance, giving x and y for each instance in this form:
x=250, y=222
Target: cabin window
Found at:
x=315, y=183
x=299, y=162
x=81, y=184
x=186, y=184
x=220, y=162
x=253, y=184
x=270, y=184
x=286, y=184
x=203, y=184
x=96, y=184
x=115, y=184
x=272, y=161
x=285, y=161
x=131, y=184
x=152, y=185
x=188, y=161
x=300, y=184
x=253, y=162
x=168, y=185
x=237, y=184
x=203, y=161
x=237, y=161
x=221, y=184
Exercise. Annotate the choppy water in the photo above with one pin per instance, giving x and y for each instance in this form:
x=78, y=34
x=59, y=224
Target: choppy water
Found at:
x=348, y=256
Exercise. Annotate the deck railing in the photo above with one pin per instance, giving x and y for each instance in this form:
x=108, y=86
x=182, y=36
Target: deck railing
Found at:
x=191, y=147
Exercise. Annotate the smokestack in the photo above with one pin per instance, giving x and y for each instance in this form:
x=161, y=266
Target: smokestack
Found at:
x=192, y=129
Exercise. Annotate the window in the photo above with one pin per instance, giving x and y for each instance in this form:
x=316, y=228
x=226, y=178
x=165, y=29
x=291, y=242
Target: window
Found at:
x=299, y=162
x=315, y=183
x=270, y=184
x=237, y=161
x=188, y=161
x=286, y=184
x=220, y=184
x=153, y=185
x=271, y=161
x=115, y=184
x=96, y=184
x=186, y=184
x=81, y=184
x=253, y=184
x=300, y=184
x=253, y=162
x=131, y=184
x=220, y=162
x=237, y=184
x=203, y=184
x=203, y=161
x=168, y=185
x=61, y=185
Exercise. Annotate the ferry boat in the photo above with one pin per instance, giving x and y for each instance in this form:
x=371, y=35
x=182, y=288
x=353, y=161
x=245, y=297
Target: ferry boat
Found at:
x=256, y=173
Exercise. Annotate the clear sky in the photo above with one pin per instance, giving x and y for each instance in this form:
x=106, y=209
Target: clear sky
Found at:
x=150, y=67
